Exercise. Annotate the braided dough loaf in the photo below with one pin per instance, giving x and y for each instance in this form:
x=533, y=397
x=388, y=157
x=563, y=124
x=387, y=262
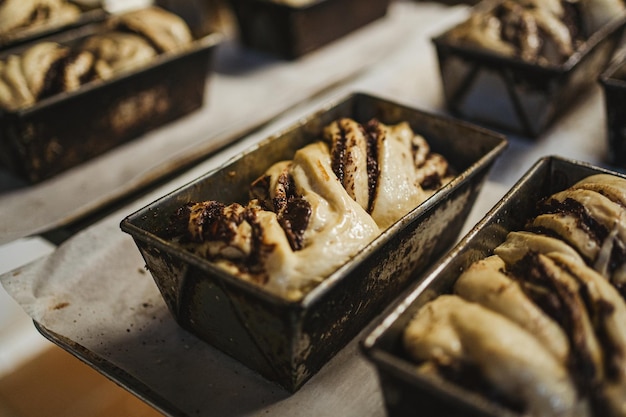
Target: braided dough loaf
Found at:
x=309, y=215
x=25, y=15
x=559, y=282
x=129, y=41
x=537, y=31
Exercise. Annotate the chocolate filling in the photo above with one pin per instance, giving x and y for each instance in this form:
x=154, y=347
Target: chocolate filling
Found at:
x=573, y=19
x=513, y=29
x=292, y=211
x=599, y=310
x=338, y=152
x=210, y=217
x=432, y=181
x=569, y=316
x=37, y=15
x=294, y=219
x=517, y=26
x=374, y=134
x=54, y=81
x=585, y=222
x=285, y=190
x=596, y=231
x=339, y=157
x=214, y=224
x=125, y=28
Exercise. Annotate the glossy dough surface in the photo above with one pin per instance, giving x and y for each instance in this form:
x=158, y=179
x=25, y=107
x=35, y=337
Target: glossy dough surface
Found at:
x=307, y=216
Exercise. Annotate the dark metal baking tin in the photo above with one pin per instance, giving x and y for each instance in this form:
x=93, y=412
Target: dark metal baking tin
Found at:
x=289, y=32
x=69, y=128
x=288, y=342
x=404, y=389
x=89, y=14
x=613, y=82
x=516, y=96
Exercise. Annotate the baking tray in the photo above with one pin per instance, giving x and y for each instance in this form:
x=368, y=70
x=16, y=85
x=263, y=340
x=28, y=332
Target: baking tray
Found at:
x=404, y=389
x=62, y=131
x=289, y=341
x=89, y=14
x=516, y=96
x=290, y=32
x=613, y=83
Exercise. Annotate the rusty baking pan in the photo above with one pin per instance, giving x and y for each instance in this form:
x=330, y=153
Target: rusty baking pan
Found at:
x=516, y=96
x=405, y=389
x=613, y=83
x=88, y=13
x=62, y=131
x=288, y=341
x=287, y=30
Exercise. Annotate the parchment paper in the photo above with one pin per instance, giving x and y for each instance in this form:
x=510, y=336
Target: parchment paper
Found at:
x=94, y=290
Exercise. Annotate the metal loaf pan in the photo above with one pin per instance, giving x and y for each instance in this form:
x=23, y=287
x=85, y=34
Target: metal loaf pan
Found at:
x=613, y=83
x=89, y=14
x=289, y=32
x=289, y=341
x=62, y=131
x=406, y=391
x=516, y=96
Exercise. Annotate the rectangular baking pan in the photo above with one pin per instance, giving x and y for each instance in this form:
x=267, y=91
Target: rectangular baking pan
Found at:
x=289, y=32
x=516, y=96
x=406, y=391
x=89, y=14
x=613, y=83
x=288, y=342
x=62, y=131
